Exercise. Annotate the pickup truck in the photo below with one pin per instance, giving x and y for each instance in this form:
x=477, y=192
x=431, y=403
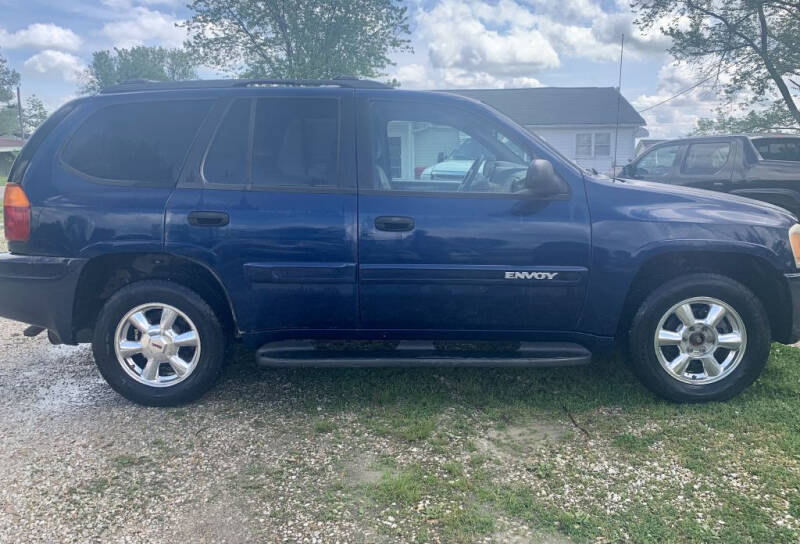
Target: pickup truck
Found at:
x=764, y=167
x=164, y=222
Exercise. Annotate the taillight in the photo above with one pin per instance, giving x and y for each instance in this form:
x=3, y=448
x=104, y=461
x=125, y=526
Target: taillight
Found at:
x=16, y=214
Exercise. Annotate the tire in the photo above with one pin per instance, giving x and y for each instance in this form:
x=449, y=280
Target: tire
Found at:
x=659, y=361
x=175, y=382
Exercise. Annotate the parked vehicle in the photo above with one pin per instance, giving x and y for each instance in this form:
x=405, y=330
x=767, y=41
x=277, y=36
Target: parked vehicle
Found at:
x=163, y=221
x=765, y=167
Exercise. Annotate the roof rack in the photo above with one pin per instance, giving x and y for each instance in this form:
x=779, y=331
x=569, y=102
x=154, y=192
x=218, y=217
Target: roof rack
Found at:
x=349, y=82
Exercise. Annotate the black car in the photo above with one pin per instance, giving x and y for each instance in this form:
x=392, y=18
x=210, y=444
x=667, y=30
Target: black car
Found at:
x=765, y=167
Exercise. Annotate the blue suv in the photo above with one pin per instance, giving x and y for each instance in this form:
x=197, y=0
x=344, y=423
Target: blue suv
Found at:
x=163, y=221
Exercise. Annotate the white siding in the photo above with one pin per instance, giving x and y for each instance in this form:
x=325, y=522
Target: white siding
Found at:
x=564, y=140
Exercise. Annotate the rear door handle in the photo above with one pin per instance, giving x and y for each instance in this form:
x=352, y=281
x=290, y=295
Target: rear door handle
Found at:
x=209, y=219
x=394, y=223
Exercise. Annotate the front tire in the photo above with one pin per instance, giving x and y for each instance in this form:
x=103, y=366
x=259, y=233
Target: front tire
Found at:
x=700, y=337
x=158, y=343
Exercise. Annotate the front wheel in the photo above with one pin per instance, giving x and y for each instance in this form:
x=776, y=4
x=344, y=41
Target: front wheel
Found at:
x=700, y=337
x=158, y=343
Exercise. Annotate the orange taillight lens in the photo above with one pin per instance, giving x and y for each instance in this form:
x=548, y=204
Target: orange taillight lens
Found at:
x=794, y=242
x=16, y=214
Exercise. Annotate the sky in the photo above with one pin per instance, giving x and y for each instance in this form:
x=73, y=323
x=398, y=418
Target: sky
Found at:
x=456, y=44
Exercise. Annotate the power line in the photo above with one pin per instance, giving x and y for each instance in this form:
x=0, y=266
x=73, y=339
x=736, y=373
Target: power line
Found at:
x=619, y=102
x=673, y=97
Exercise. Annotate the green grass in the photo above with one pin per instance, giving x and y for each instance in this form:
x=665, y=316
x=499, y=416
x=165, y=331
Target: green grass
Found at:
x=648, y=471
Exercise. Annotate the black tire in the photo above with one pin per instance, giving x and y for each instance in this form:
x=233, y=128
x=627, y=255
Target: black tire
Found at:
x=644, y=360
x=209, y=363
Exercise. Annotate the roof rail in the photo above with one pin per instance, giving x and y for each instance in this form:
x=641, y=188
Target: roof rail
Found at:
x=349, y=82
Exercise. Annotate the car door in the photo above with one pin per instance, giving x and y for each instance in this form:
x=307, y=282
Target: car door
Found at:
x=270, y=207
x=467, y=250
x=708, y=165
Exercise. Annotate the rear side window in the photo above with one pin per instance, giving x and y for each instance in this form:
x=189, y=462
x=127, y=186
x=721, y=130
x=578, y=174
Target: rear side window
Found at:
x=706, y=159
x=292, y=142
x=140, y=142
x=226, y=161
x=778, y=149
x=296, y=143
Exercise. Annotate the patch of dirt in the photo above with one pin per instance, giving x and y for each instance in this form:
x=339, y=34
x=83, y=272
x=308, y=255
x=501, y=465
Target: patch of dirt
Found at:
x=522, y=439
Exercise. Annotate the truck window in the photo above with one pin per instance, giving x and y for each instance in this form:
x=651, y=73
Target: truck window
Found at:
x=778, y=149
x=657, y=163
x=706, y=158
x=226, y=161
x=138, y=142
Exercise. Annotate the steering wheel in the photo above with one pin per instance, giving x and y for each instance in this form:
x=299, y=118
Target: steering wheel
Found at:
x=472, y=173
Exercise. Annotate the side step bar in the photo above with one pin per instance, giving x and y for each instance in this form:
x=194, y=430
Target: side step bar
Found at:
x=298, y=353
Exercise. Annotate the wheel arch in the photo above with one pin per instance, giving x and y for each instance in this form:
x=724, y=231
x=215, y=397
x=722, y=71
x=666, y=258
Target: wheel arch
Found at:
x=754, y=272
x=103, y=275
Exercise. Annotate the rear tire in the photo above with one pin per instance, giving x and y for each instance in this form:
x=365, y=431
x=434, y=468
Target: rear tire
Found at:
x=158, y=343
x=700, y=337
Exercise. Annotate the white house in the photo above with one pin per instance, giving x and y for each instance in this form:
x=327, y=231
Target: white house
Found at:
x=580, y=122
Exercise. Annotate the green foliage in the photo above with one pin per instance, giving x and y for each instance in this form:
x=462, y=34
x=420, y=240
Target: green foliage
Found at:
x=298, y=38
x=33, y=114
x=156, y=63
x=773, y=119
x=755, y=41
x=9, y=121
x=9, y=78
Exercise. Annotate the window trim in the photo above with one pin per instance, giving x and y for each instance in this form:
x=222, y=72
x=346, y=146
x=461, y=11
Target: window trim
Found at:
x=205, y=184
x=59, y=155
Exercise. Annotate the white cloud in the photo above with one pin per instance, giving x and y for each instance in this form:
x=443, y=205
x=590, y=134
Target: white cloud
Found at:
x=478, y=42
x=678, y=116
x=49, y=61
x=143, y=26
x=41, y=36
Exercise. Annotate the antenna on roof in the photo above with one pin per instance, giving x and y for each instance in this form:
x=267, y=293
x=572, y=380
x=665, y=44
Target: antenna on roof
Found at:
x=619, y=104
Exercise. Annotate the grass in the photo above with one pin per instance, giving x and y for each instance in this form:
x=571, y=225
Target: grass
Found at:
x=628, y=467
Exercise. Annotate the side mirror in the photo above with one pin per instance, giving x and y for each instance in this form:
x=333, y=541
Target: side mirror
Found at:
x=542, y=181
x=626, y=171
x=440, y=157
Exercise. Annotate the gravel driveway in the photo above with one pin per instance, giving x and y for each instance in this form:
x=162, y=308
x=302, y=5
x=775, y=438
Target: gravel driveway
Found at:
x=391, y=455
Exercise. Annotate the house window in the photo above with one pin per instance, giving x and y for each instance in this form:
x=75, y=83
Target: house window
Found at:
x=588, y=145
x=602, y=144
x=583, y=145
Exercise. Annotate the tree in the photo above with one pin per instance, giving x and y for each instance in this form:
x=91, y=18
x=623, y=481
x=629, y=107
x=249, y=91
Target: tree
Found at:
x=756, y=41
x=33, y=114
x=775, y=118
x=157, y=63
x=298, y=38
x=9, y=78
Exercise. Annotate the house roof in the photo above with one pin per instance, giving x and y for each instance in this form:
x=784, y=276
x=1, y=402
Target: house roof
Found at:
x=559, y=105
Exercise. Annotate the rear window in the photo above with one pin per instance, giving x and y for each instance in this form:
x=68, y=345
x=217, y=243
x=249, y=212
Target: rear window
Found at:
x=778, y=149
x=140, y=142
x=24, y=159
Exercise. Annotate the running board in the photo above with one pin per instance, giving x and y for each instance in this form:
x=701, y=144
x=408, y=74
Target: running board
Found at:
x=294, y=353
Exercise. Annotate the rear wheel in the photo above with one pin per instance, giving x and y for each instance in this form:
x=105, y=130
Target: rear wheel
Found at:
x=700, y=337
x=158, y=343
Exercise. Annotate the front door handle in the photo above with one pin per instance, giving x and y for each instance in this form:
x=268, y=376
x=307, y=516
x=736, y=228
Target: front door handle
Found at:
x=394, y=223
x=209, y=219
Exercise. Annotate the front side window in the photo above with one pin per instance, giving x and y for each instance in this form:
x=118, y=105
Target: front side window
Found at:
x=656, y=163
x=417, y=147
x=706, y=158
x=140, y=142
